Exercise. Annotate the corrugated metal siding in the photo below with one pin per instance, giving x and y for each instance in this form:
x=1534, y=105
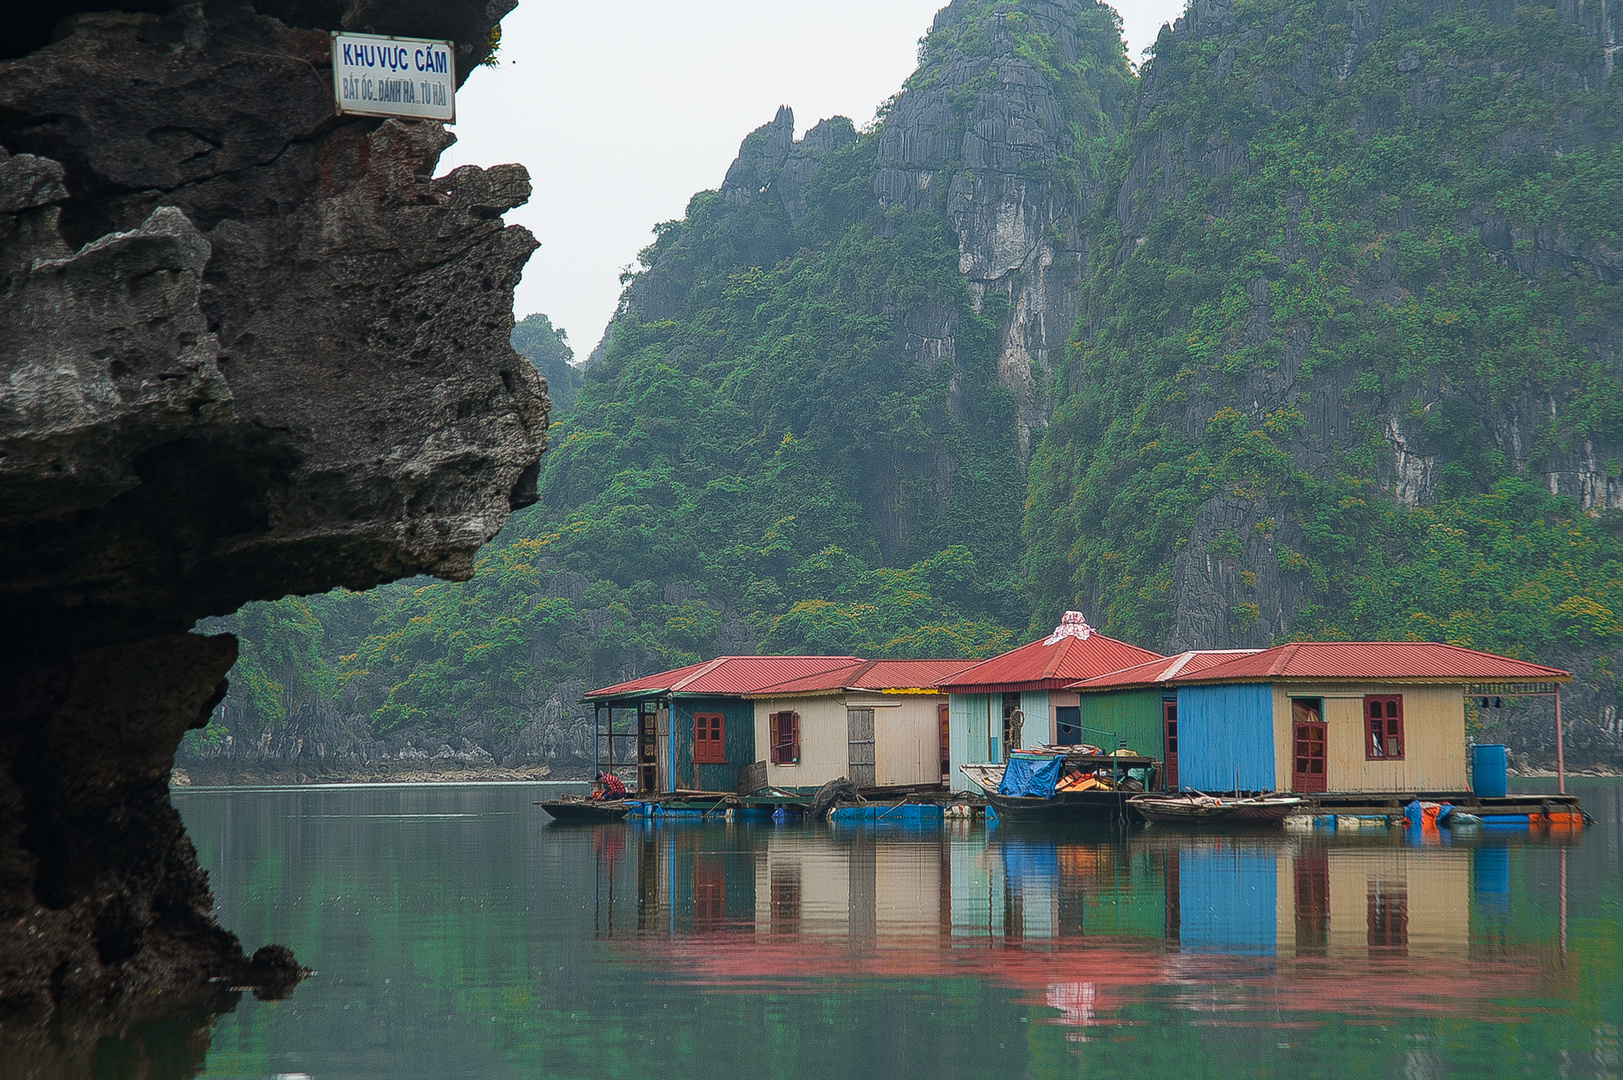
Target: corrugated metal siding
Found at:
x=1385, y=660
x=1035, y=663
x=967, y=719
x=1134, y=715
x=906, y=674
x=1226, y=731
x=1034, y=730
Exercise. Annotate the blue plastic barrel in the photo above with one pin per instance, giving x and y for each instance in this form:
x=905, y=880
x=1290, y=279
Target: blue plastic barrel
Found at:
x=1488, y=773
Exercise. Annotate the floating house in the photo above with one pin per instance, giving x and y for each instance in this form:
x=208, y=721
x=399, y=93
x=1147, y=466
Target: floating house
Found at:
x=692, y=728
x=1336, y=717
x=1139, y=705
x=881, y=723
x=1022, y=698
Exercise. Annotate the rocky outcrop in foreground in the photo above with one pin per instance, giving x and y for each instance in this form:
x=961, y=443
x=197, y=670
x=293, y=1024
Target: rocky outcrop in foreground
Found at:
x=247, y=348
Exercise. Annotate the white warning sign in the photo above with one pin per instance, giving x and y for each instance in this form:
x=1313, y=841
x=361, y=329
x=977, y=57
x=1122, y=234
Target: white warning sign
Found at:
x=374, y=75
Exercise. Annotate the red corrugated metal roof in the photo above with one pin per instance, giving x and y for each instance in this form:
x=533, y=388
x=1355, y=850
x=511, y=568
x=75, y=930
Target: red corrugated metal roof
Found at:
x=1073, y=652
x=1163, y=670
x=907, y=674
x=877, y=675
x=727, y=675
x=822, y=682
x=1386, y=660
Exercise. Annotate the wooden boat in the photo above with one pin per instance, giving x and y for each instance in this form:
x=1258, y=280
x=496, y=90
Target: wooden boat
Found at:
x=576, y=808
x=1096, y=805
x=1197, y=809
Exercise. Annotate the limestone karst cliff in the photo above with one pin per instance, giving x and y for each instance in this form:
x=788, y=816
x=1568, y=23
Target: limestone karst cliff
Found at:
x=1307, y=328
x=1352, y=345
x=247, y=348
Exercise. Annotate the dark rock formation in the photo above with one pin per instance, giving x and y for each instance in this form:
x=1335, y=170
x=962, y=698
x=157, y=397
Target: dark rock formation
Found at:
x=1005, y=126
x=247, y=348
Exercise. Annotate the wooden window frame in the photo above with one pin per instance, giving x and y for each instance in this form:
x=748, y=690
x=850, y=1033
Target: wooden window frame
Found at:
x=1379, y=732
x=783, y=733
x=709, y=738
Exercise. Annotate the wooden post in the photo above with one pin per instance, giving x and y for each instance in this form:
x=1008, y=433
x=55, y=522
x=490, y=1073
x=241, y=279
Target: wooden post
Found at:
x=1560, y=756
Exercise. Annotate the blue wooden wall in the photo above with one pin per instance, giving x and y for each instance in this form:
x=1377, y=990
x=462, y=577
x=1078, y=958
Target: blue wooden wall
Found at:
x=1222, y=729
x=737, y=735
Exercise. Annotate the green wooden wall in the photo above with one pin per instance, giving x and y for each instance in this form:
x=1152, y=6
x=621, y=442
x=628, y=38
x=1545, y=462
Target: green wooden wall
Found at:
x=1135, y=715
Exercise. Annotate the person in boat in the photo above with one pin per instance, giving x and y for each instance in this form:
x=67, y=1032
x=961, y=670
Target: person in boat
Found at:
x=608, y=787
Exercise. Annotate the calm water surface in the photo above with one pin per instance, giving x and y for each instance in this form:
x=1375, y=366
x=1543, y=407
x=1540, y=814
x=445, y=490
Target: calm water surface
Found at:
x=456, y=932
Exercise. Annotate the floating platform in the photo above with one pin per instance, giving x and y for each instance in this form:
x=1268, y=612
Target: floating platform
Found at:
x=1375, y=803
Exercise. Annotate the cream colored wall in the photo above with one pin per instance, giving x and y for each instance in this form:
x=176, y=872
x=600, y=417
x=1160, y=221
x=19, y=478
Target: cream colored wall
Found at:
x=1436, y=882
x=825, y=748
x=1433, y=733
x=907, y=736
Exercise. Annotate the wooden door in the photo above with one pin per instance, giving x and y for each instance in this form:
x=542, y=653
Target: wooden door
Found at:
x=665, y=779
x=1169, y=745
x=860, y=725
x=944, y=720
x=1307, y=769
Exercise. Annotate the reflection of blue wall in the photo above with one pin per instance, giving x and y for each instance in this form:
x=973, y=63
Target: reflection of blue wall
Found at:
x=1029, y=864
x=1490, y=879
x=1222, y=729
x=1226, y=900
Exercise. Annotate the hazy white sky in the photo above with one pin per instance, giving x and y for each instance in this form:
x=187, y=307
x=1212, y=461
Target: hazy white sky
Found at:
x=622, y=110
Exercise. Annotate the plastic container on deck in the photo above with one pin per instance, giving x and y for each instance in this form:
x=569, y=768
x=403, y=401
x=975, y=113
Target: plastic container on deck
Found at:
x=1489, y=776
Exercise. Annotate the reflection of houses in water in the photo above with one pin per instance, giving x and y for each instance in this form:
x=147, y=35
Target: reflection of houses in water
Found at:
x=1314, y=900
x=1090, y=925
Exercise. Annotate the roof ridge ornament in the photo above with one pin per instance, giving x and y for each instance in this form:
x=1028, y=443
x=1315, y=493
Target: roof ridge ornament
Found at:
x=1071, y=624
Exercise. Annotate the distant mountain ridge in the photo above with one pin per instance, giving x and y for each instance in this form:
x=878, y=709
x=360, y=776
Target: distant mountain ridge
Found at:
x=1311, y=329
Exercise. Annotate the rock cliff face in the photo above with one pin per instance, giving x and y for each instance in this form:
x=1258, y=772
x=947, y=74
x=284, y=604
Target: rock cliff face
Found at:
x=247, y=348
x=1005, y=127
x=1360, y=260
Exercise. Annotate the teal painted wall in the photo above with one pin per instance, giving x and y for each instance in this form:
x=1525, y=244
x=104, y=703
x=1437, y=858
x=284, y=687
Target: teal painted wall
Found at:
x=1034, y=703
x=1135, y=715
x=737, y=737
x=970, y=739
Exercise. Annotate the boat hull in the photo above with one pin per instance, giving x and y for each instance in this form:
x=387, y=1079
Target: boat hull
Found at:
x=572, y=811
x=1270, y=812
x=1065, y=806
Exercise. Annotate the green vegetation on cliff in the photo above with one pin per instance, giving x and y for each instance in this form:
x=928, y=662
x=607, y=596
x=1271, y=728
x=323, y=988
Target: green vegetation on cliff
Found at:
x=1346, y=366
x=1313, y=271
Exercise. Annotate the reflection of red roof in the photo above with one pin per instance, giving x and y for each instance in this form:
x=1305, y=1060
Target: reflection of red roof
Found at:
x=1386, y=660
x=1072, y=653
x=876, y=675
x=1111, y=971
x=1162, y=670
x=726, y=675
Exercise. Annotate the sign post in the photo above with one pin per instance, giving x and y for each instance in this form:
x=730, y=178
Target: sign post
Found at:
x=373, y=75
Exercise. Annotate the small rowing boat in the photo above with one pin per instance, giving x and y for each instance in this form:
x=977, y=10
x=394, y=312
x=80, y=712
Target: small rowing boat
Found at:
x=575, y=808
x=1197, y=809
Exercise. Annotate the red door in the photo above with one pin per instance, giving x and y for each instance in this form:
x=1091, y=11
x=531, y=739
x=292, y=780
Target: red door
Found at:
x=1307, y=772
x=1169, y=724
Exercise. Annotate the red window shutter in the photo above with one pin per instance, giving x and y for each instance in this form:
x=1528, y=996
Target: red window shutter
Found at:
x=709, y=746
x=794, y=726
x=772, y=722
